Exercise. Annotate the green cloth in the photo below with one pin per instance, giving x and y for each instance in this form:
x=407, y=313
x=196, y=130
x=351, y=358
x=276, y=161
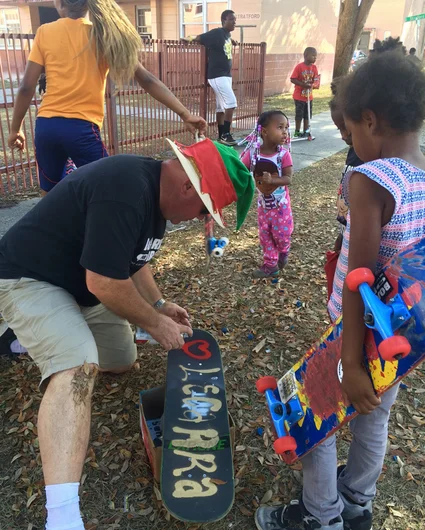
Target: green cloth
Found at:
x=242, y=181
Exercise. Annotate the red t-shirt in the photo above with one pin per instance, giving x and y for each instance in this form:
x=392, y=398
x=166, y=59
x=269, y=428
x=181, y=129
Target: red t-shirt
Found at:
x=305, y=73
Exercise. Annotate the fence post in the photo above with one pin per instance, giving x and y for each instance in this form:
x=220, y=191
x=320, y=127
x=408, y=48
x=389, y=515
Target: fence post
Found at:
x=263, y=50
x=203, y=106
x=111, y=109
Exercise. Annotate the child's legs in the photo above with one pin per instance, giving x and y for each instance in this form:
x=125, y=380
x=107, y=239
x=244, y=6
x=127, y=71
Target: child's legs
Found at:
x=270, y=252
x=299, y=113
x=49, y=151
x=367, y=451
x=84, y=143
x=283, y=226
x=320, y=494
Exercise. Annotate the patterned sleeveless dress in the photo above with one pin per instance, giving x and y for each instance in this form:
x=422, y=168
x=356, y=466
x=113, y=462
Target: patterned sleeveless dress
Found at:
x=406, y=183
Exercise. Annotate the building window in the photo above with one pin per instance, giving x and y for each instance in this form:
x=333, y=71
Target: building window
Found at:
x=199, y=17
x=144, y=21
x=9, y=21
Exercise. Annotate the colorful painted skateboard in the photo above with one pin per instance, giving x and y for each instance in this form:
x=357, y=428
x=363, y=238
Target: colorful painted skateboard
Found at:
x=307, y=405
x=197, y=468
x=213, y=246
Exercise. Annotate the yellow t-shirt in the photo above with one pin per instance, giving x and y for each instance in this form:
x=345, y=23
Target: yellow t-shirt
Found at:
x=74, y=79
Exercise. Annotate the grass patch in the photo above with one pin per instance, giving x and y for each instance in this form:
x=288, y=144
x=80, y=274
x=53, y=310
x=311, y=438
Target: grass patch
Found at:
x=285, y=102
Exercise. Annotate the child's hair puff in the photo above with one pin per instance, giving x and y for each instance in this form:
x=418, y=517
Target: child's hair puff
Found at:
x=389, y=85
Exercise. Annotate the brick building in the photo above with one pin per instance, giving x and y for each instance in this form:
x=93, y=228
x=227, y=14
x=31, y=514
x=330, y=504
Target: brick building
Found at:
x=285, y=25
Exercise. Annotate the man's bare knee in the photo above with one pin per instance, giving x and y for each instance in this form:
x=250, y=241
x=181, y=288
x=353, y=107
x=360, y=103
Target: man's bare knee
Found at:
x=82, y=383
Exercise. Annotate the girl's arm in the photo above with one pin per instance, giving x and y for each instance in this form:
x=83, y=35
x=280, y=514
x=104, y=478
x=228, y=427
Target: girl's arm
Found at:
x=275, y=180
x=22, y=103
x=161, y=93
x=370, y=205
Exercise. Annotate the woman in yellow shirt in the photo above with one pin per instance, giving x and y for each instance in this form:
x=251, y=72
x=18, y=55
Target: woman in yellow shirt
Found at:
x=77, y=54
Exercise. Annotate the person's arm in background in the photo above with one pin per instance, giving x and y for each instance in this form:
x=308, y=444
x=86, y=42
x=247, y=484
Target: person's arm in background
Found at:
x=192, y=39
x=22, y=102
x=295, y=79
x=161, y=93
x=316, y=74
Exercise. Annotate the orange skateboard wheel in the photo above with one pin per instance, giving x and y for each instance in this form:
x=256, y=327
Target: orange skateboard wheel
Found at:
x=284, y=444
x=267, y=382
x=394, y=348
x=358, y=276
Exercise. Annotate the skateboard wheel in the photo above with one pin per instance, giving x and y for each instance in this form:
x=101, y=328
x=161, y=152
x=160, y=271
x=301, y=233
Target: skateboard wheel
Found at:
x=359, y=276
x=223, y=242
x=284, y=444
x=267, y=382
x=394, y=348
x=217, y=252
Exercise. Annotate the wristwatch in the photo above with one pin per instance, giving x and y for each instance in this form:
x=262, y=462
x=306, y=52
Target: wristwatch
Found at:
x=159, y=303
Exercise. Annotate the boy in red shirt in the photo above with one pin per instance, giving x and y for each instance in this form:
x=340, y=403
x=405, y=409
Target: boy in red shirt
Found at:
x=303, y=78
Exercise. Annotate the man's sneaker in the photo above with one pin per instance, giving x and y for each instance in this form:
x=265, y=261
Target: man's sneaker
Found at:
x=283, y=260
x=355, y=516
x=266, y=272
x=227, y=139
x=268, y=518
x=298, y=134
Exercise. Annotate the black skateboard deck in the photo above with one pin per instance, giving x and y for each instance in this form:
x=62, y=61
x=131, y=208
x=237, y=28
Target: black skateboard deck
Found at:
x=197, y=482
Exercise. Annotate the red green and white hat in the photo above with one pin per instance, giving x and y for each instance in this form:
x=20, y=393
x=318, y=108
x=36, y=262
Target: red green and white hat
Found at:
x=219, y=177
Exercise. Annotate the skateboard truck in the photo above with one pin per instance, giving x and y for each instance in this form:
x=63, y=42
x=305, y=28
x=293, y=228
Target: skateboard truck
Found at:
x=384, y=318
x=216, y=246
x=283, y=415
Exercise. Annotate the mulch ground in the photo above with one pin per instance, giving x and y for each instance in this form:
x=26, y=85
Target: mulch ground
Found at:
x=117, y=488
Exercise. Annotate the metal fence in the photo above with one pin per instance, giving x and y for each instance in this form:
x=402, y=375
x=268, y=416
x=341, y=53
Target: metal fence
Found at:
x=134, y=121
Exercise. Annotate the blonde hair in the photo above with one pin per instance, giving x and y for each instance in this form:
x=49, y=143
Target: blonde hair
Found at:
x=116, y=39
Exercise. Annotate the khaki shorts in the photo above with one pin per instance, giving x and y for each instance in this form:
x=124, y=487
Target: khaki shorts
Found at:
x=58, y=333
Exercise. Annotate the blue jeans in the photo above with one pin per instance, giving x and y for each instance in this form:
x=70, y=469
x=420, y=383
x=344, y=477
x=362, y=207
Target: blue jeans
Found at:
x=57, y=139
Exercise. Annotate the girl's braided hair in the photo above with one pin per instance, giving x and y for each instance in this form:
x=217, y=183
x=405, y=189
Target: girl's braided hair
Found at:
x=115, y=38
x=255, y=139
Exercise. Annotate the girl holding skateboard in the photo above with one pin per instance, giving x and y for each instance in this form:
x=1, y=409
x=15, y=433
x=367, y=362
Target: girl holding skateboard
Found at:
x=386, y=199
x=270, y=162
x=76, y=55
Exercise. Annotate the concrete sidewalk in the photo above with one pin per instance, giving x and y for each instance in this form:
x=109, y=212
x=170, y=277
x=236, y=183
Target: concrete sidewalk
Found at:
x=328, y=142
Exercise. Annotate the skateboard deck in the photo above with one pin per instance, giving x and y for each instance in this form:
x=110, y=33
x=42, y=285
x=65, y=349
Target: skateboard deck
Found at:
x=197, y=482
x=214, y=247
x=308, y=406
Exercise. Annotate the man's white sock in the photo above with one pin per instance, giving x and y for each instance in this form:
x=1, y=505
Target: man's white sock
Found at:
x=63, y=507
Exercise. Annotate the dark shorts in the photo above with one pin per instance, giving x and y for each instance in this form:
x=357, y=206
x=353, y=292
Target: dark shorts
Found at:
x=301, y=112
x=57, y=139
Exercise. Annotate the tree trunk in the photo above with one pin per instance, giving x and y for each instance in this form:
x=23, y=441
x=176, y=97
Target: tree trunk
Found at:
x=352, y=18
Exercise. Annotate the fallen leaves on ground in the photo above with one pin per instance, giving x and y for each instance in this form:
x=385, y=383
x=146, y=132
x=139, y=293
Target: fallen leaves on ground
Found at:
x=263, y=327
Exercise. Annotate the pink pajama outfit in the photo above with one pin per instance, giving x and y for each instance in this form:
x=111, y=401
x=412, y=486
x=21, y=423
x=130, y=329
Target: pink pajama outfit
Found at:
x=275, y=222
x=275, y=228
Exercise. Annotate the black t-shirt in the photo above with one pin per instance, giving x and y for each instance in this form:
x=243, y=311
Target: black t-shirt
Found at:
x=219, y=52
x=105, y=217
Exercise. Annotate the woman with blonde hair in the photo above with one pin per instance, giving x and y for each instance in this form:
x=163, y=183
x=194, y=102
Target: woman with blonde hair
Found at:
x=77, y=54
